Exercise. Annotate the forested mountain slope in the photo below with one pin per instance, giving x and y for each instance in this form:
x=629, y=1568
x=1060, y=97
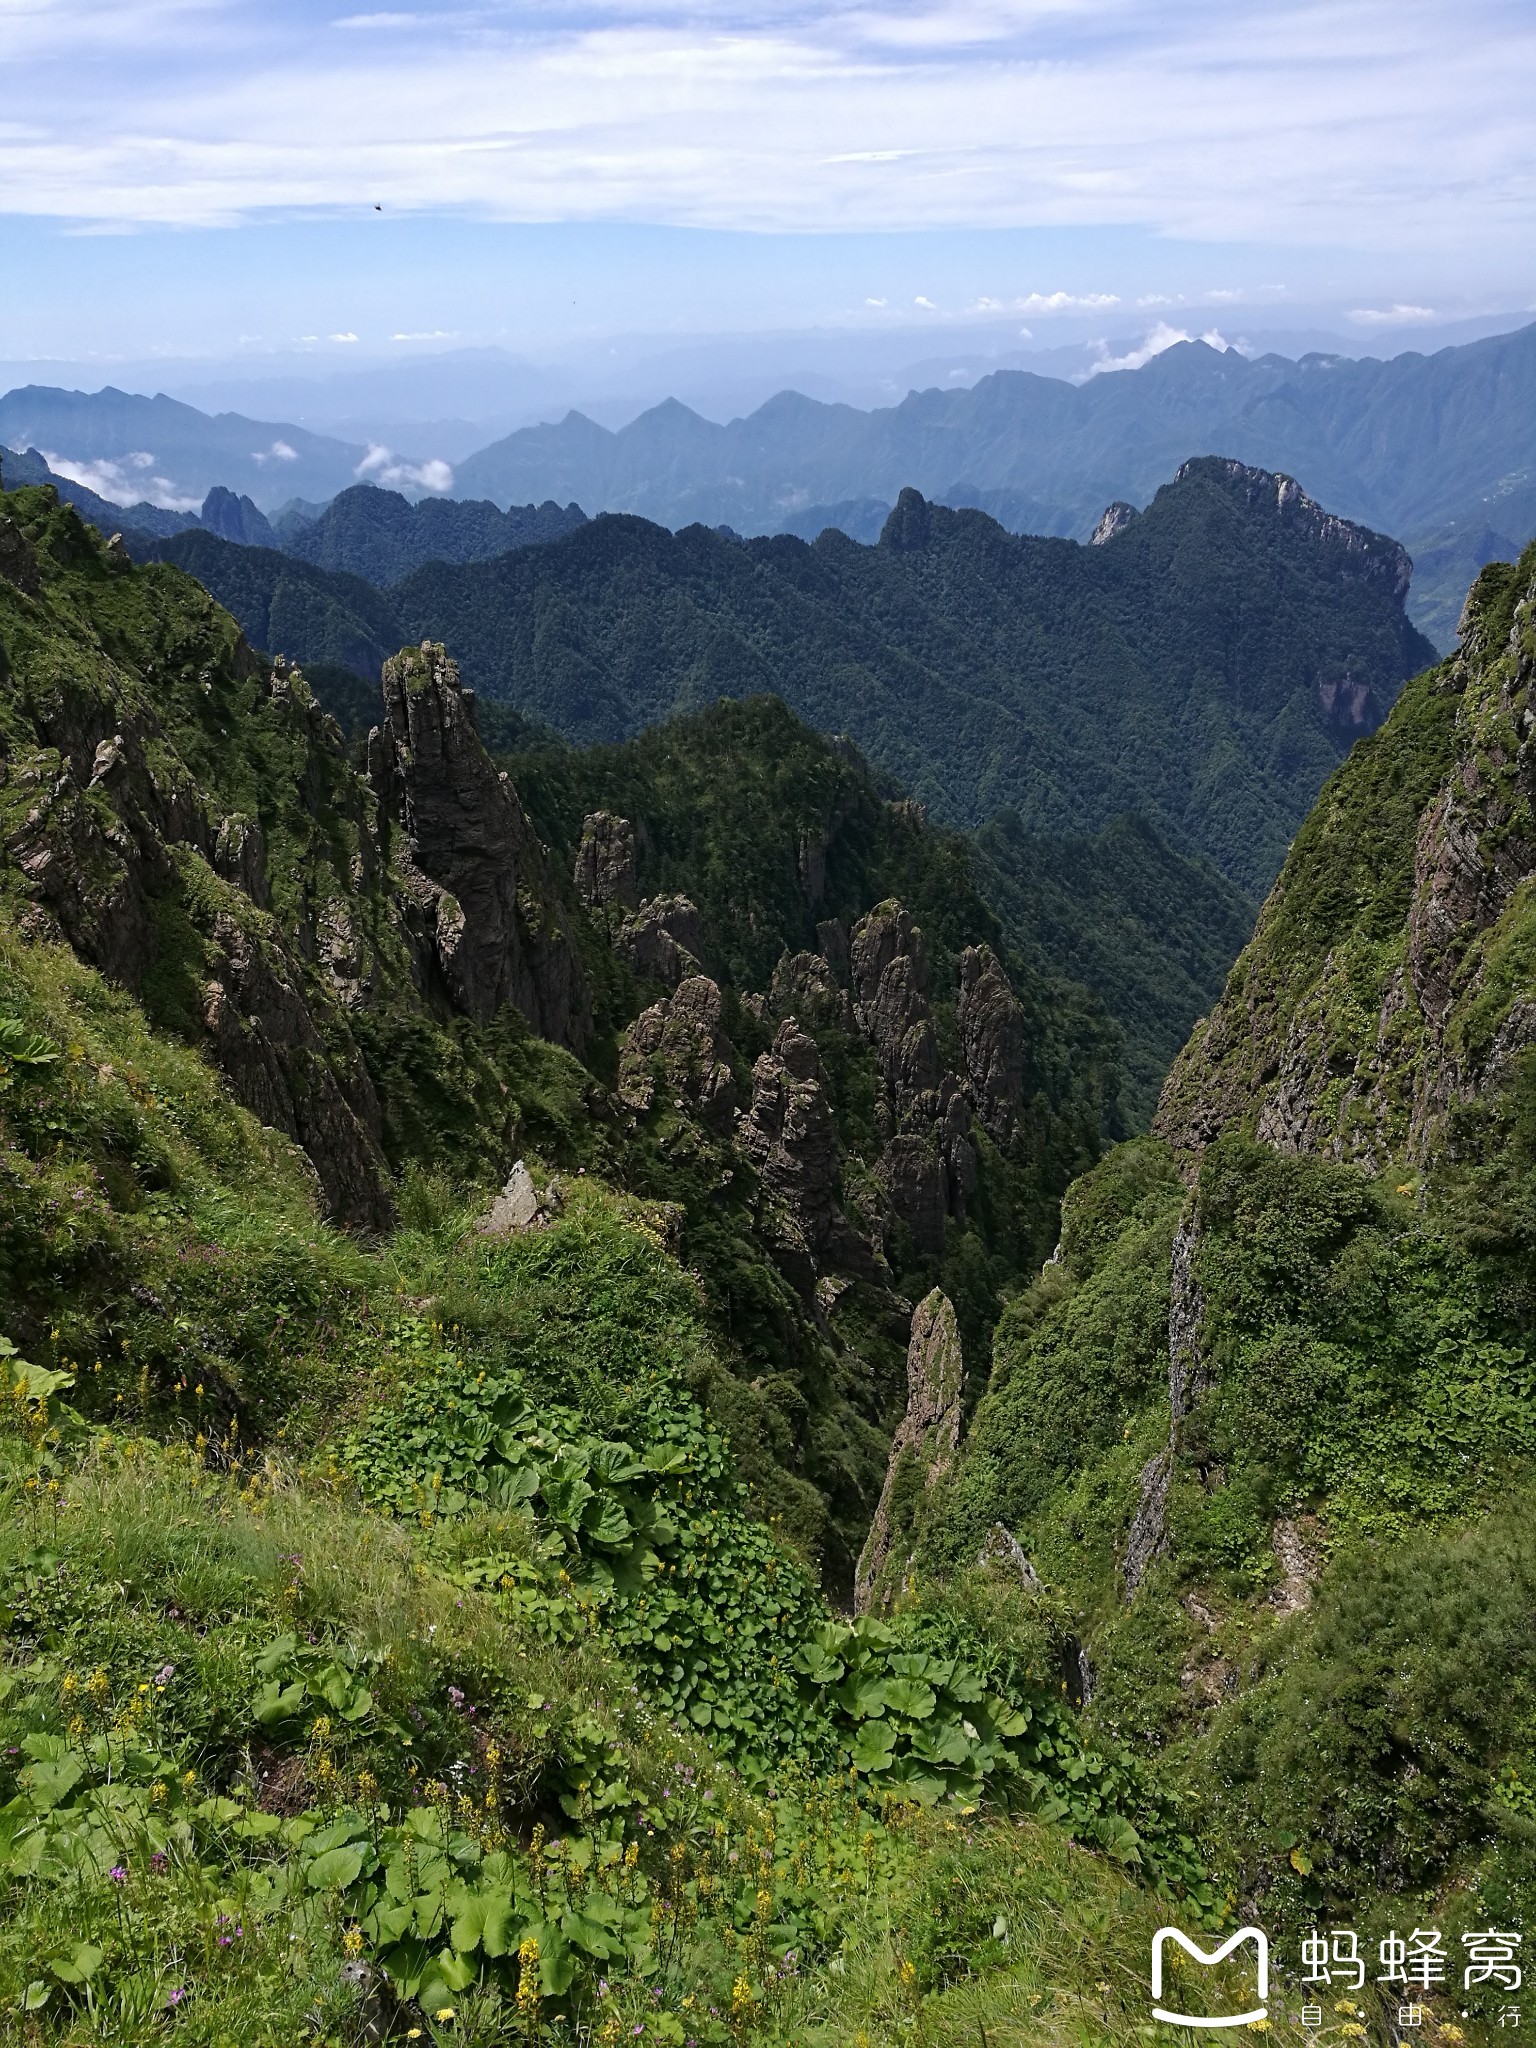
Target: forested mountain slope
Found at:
x=381, y=536
x=1264, y=1426
x=1439, y=449
x=1205, y=666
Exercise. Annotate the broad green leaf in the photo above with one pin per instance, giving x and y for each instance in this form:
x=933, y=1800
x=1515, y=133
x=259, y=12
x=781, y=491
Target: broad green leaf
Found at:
x=910, y=1697
x=334, y=1869
x=79, y=1967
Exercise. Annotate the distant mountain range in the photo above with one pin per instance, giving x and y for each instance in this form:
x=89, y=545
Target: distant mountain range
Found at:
x=363, y=531
x=1439, y=450
x=1207, y=665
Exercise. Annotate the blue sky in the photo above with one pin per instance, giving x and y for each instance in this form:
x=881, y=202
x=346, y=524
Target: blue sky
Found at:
x=193, y=177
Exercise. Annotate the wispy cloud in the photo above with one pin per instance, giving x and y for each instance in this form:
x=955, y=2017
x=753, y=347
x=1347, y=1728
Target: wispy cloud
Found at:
x=278, y=452
x=379, y=466
x=1161, y=337
x=1393, y=316
x=127, y=481
x=1399, y=124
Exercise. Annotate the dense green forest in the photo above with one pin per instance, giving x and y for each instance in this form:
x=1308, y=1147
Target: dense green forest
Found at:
x=1206, y=667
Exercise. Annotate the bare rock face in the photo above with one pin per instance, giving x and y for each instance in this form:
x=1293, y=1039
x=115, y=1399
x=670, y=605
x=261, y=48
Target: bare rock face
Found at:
x=1190, y=1375
x=1189, y=1370
x=991, y=1022
x=889, y=966
x=278, y=1067
x=663, y=940
x=519, y=1207
x=682, y=1036
x=805, y=985
x=789, y=1136
x=1148, y=1538
x=928, y=1168
x=605, y=862
x=475, y=864
x=1113, y=519
x=926, y=1438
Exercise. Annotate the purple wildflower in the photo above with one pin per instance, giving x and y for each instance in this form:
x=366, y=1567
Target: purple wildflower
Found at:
x=177, y=1995
x=117, y=1873
x=455, y=1697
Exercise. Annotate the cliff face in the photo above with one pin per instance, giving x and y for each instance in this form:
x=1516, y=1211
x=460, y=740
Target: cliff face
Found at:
x=1386, y=1002
x=184, y=814
x=468, y=857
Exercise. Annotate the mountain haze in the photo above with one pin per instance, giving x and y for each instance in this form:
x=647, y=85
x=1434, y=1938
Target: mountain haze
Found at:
x=1411, y=446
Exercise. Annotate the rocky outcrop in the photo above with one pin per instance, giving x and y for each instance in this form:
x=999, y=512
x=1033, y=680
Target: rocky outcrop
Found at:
x=1148, y=1537
x=806, y=985
x=519, y=1207
x=789, y=1136
x=279, y=1067
x=990, y=1018
x=1113, y=519
x=470, y=857
x=1371, y=1006
x=606, y=870
x=1364, y=556
x=1190, y=1376
x=925, y=1442
x=928, y=1168
x=889, y=965
x=679, y=1045
x=663, y=940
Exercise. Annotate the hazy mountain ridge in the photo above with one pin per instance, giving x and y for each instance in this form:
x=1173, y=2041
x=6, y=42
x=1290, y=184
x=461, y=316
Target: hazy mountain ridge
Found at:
x=1408, y=445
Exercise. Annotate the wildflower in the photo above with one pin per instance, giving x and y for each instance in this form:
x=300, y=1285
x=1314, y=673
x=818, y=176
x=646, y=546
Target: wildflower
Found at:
x=455, y=1697
x=741, y=1995
x=444, y=2012
x=352, y=1941
x=1352, y=2030
x=117, y=1873
x=907, y=1973
x=1258, y=2026
x=164, y=1675
x=159, y=1860
x=177, y=1996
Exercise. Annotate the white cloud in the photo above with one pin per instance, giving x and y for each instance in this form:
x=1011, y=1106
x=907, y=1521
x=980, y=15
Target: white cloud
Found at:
x=1161, y=337
x=1393, y=316
x=1066, y=302
x=437, y=334
x=877, y=302
x=927, y=304
x=379, y=466
x=278, y=452
x=1390, y=127
x=343, y=337
x=112, y=481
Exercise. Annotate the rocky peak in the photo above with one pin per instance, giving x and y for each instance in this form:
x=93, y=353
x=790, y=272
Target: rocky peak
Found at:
x=991, y=1023
x=606, y=869
x=681, y=1040
x=1371, y=1005
x=925, y=1442
x=663, y=940
x=1366, y=556
x=475, y=865
x=889, y=966
x=1114, y=519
